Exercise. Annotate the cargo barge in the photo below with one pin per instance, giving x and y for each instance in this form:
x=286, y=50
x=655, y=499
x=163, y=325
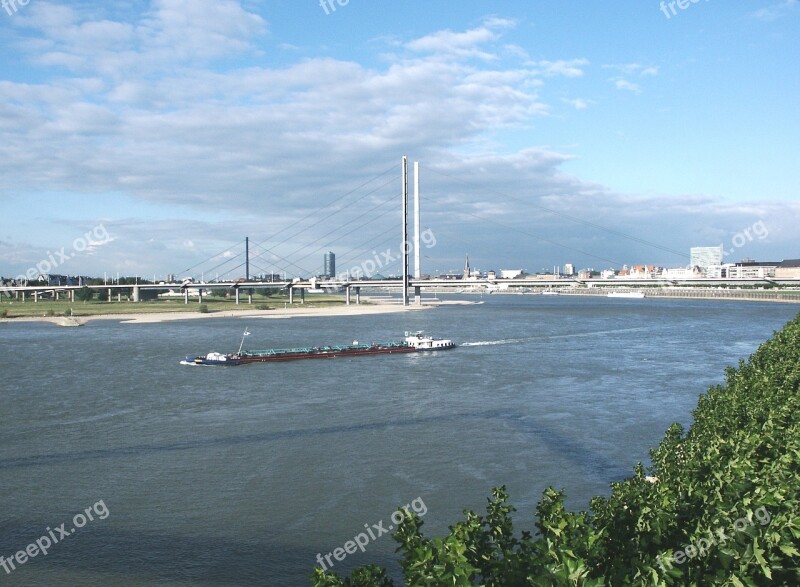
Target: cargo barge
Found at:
x=412, y=343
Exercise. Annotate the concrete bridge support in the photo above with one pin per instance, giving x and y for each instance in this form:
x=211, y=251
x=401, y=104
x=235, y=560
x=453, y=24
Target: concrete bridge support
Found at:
x=136, y=297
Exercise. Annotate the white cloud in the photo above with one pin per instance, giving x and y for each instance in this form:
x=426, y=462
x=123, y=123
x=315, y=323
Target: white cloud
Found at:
x=623, y=84
x=776, y=11
x=173, y=32
x=578, y=103
x=629, y=69
x=565, y=68
x=462, y=44
x=121, y=128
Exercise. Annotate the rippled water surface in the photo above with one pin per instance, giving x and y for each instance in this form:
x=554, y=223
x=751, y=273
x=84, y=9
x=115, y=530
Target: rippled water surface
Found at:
x=240, y=476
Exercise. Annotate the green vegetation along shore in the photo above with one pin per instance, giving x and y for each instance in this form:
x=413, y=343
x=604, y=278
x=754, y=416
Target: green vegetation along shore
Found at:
x=719, y=505
x=211, y=304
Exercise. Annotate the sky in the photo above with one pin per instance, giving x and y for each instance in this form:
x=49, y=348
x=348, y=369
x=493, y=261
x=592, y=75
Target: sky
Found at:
x=151, y=137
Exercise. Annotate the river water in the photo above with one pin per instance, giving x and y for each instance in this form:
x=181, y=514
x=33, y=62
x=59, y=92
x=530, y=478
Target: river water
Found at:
x=240, y=476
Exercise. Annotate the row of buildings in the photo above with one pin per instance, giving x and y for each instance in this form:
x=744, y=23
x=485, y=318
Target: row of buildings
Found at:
x=704, y=263
x=707, y=263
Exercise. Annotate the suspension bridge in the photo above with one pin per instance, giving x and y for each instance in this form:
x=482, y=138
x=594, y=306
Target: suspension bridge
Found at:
x=366, y=215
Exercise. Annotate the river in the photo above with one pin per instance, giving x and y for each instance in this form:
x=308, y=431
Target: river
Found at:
x=211, y=476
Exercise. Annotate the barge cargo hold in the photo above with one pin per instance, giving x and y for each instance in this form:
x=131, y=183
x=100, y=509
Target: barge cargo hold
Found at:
x=412, y=343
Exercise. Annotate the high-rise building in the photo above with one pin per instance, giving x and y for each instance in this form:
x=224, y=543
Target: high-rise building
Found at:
x=330, y=265
x=706, y=256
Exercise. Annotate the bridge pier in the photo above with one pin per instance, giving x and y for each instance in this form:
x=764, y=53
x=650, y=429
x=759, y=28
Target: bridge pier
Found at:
x=250, y=297
x=417, y=295
x=186, y=296
x=119, y=296
x=200, y=295
x=71, y=295
x=358, y=296
x=291, y=295
x=36, y=297
x=136, y=294
x=302, y=295
x=236, y=289
x=347, y=295
x=110, y=293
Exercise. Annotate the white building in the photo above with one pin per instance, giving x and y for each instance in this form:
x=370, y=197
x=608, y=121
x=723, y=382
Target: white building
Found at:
x=569, y=269
x=706, y=256
x=751, y=270
x=511, y=273
x=713, y=271
x=680, y=273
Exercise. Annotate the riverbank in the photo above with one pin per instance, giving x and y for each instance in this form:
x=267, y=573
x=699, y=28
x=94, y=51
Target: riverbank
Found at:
x=741, y=295
x=131, y=316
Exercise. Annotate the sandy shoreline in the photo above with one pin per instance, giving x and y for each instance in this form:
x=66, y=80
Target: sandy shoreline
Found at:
x=296, y=311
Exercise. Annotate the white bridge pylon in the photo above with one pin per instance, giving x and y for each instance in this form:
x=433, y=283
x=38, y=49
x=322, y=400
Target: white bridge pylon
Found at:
x=404, y=241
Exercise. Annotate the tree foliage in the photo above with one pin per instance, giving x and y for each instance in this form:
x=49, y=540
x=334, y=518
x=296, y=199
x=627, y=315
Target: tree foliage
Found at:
x=84, y=294
x=717, y=506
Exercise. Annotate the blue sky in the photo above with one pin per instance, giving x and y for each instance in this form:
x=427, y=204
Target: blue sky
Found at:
x=584, y=132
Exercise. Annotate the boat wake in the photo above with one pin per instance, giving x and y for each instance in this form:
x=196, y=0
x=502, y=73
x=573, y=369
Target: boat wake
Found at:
x=550, y=337
x=504, y=341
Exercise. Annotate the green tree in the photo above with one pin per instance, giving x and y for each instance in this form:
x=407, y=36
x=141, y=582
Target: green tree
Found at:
x=84, y=294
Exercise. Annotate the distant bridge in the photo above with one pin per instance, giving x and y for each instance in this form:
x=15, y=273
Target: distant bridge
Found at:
x=300, y=287
x=409, y=281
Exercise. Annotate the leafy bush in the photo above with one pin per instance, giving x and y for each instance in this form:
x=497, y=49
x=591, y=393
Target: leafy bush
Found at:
x=263, y=307
x=720, y=505
x=203, y=309
x=4, y=313
x=84, y=294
